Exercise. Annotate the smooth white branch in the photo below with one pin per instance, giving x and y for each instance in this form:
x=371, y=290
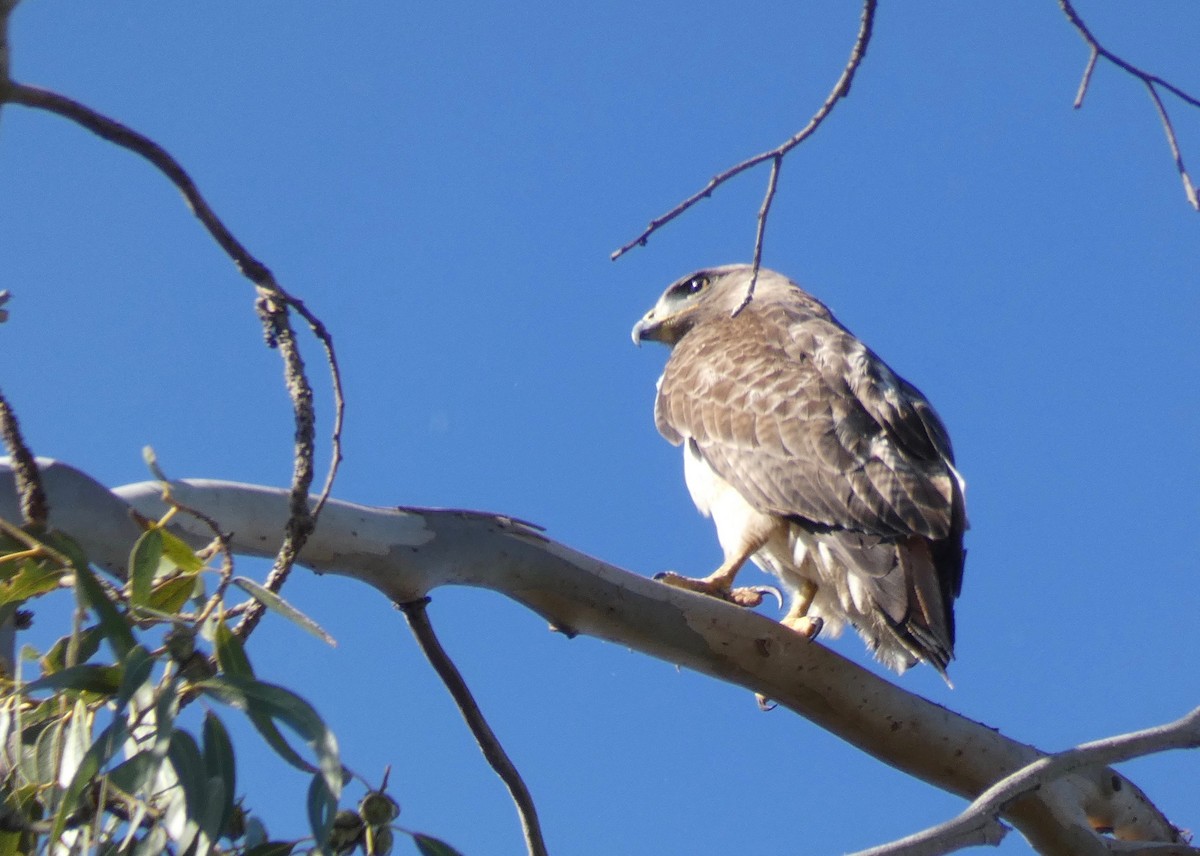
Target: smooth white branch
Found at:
x=406, y=553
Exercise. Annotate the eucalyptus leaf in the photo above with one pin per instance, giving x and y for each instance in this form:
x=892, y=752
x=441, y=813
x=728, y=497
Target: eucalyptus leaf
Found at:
x=113, y=625
x=67, y=546
x=143, y=564
x=428, y=846
x=97, y=755
x=322, y=806
x=170, y=595
x=232, y=659
x=33, y=579
x=56, y=657
x=185, y=758
x=40, y=765
x=176, y=550
x=272, y=848
x=275, y=603
x=135, y=773
x=276, y=703
x=230, y=654
x=219, y=765
x=136, y=668
x=86, y=678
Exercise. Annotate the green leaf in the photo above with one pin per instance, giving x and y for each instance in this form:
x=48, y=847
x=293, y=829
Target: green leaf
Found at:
x=428, y=846
x=113, y=625
x=232, y=658
x=170, y=595
x=273, y=848
x=322, y=806
x=143, y=565
x=67, y=546
x=97, y=755
x=180, y=554
x=219, y=764
x=86, y=678
x=189, y=770
x=275, y=603
x=40, y=765
x=276, y=703
x=135, y=773
x=230, y=654
x=34, y=578
x=56, y=658
x=136, y=668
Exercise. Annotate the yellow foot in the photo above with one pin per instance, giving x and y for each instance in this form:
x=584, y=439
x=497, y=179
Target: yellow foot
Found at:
x=807, y=626
x=747, y=596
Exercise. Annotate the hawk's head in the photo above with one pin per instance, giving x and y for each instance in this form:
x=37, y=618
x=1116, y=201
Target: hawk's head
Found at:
x=704, y=295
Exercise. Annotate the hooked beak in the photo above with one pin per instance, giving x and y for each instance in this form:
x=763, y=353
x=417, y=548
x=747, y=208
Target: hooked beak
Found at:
x=644, y=329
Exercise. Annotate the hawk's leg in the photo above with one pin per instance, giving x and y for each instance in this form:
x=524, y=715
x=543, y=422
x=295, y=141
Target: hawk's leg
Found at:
x=719, y=583
x=797, y=617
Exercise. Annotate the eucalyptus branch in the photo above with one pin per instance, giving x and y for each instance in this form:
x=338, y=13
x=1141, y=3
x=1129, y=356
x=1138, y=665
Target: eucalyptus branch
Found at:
x=418, y=620
x=979, y=820
x=406, y=553
x=1152, y=82
x=840, y=90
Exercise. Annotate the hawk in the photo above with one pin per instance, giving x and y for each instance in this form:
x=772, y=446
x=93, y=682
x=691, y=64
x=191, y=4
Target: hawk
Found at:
x=814, y=460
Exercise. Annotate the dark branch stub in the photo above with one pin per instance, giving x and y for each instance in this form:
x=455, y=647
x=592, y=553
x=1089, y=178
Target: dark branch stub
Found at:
x=34, y=509
x=489, y=744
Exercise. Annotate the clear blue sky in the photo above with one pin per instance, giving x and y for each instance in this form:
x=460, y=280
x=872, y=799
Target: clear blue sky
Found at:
x=443, y=183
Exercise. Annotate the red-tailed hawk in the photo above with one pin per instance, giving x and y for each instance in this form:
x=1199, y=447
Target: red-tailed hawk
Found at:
x=814, y=460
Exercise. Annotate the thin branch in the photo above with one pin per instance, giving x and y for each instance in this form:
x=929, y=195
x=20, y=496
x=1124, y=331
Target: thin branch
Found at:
x=418, y=620
x=273, y=305
x=34, y=509
x=1087, y=77
x=301, y=520
x=983, y=813
x=840, y=90
x=763, y=211
x=1151, y=81
x=1189, y=189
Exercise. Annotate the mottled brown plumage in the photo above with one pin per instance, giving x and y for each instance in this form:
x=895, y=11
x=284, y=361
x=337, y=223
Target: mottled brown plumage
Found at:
x=814, y=460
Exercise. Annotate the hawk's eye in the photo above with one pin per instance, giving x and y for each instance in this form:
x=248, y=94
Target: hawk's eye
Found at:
x=693, y=286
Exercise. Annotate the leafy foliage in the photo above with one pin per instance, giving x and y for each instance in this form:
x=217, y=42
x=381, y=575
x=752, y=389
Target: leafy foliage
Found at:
x=93, y=756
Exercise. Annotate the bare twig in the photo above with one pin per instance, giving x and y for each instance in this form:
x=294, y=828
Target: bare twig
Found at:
x=418, y=620
x=763, y=211
x=982, y=815
x=273, y=306
x=34, y=509
x=1152, y=83
x=301, y=521
x=840, y=90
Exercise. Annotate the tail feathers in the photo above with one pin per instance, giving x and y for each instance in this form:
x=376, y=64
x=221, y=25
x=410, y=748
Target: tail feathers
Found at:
x=898, y=599
x=927, y=626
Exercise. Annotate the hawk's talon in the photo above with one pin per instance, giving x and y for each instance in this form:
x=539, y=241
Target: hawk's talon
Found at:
x=762, y=591
x=808, y=626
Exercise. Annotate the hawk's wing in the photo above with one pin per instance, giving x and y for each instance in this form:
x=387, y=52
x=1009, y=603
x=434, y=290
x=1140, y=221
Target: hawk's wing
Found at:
x=806, y=422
